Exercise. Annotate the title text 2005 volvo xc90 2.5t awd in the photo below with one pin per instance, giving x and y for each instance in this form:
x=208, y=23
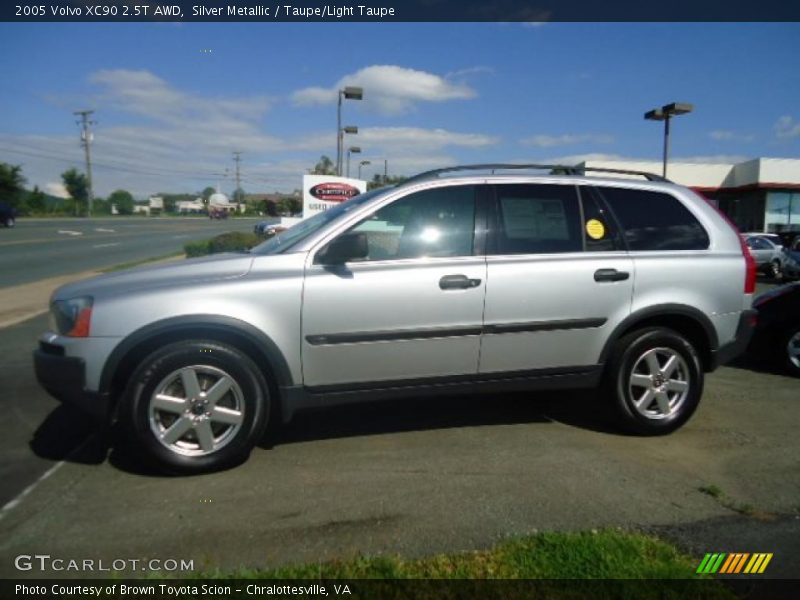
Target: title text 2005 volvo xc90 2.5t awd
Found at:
x=476, y=278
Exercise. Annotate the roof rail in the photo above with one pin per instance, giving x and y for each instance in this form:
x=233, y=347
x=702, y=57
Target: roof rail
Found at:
x=556, y=169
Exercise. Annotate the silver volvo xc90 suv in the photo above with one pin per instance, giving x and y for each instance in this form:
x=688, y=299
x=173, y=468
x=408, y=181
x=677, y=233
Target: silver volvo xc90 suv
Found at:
x=480, y=278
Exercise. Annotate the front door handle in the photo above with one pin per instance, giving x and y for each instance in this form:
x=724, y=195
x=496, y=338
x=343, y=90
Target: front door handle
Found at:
x=610, y=275
x=458, y=282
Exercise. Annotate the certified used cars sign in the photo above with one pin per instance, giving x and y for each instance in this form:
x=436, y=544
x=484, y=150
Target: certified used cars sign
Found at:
x=320, y=192
x=334, y=192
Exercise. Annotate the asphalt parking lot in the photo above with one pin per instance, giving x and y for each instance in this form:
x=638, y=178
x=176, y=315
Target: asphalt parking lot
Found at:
x=413, y=478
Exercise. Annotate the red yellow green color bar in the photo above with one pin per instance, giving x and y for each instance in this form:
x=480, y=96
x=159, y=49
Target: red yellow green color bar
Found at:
x=734, y=563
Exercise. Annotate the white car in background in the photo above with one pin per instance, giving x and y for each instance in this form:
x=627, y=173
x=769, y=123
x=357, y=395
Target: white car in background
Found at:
x=767, y=252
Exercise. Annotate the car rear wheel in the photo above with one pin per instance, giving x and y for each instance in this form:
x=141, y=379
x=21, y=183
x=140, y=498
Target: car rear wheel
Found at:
x=197, y=406
x=790, y=348
x=654, y=381
x=775, y=270
x=9, y=222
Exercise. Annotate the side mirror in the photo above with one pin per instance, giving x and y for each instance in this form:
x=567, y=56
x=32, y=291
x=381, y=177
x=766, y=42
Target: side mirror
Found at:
x=347, y=247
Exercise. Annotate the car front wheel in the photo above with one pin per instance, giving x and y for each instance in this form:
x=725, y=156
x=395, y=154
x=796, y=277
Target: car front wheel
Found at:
x=197, y=406
x=790, y=348
x=654, y=381
x=9, y=222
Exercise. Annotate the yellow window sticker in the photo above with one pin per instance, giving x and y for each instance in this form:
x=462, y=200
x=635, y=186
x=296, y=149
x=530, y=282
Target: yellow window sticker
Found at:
x=595, y=229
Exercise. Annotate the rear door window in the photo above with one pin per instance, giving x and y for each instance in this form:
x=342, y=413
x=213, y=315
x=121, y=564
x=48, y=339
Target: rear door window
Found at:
x=599, y=230
x=654, y=220
x=537, y=219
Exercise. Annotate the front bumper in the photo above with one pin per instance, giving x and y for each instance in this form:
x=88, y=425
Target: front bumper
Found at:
x=736, y=347
x=64, y=378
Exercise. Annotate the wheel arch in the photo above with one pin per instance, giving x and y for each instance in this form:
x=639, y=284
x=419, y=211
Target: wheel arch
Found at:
x=686, y=320
x=124, y=359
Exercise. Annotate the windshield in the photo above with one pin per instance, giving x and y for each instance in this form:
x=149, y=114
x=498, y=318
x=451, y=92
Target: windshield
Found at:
x=297, y=233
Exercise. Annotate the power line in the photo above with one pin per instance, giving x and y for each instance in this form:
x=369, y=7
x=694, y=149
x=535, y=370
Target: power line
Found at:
x=112, y=166
x=126, y=165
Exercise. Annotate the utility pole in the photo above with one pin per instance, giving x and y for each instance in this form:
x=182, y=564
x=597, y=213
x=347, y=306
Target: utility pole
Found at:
x=237, y=157
x=86, y=141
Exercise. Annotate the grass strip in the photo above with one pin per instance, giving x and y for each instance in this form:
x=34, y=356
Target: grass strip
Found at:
x=603, y=554
x=141, y=261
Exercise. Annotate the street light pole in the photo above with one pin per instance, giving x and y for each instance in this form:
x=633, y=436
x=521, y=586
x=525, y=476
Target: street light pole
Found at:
x=348, y=93
x=339, y=135
x=665, y=113
x=361, y=164
x=351, y=150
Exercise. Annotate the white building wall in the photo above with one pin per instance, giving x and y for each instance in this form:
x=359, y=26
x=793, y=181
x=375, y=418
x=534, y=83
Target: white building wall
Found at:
x=758, y=171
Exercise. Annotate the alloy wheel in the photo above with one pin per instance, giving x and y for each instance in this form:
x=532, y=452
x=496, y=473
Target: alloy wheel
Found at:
x=793, y=349
x=659, y=383
x=196, y=410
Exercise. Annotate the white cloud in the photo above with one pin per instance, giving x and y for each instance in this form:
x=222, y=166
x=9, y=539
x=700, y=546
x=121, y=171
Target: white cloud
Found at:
x=151, y=136
x=712, y=158
x=574, y=159
x=722, y=135
x=56, y=188
x=478, y=70
x=423, y=139
x=390, y=89
x=398, y=139
x=787, y=127
x=142, y=92
x=567, y=139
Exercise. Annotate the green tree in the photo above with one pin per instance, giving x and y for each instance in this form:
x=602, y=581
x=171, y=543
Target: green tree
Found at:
x=325, y=166
x=11, y=182
x=289, y=205
x=78, y=188
x=378, y=181
x=270, y=208
x=206, y=193
x=100, y=206
x=171, y=200
x=36, y=201
x=238, y=195
x=123, y=201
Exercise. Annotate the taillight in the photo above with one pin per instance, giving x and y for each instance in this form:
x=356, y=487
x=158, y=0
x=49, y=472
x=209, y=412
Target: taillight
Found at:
x=750, y=265
x=749, y=261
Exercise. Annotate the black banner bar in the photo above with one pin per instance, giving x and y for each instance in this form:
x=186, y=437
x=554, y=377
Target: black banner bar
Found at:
x=306, y=11
x=417, y=589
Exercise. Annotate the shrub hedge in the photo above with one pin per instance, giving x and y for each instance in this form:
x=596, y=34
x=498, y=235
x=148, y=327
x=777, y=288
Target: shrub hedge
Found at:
x=234, y=241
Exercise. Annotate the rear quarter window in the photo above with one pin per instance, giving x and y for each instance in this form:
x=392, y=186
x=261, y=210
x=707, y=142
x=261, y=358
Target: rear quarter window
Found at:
x=654, y=220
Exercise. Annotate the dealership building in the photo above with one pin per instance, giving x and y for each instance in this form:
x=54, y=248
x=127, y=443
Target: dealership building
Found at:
x=762, y=194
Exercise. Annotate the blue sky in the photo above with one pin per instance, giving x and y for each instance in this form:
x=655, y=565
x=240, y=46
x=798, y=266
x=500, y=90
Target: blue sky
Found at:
x=173, y=101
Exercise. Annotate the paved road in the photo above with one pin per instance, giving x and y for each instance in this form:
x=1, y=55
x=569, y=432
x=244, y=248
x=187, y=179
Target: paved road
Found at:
x=414, y=478
x=40, y=248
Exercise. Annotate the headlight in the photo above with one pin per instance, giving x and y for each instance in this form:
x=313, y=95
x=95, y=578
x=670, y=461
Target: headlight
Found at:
x=72, y=317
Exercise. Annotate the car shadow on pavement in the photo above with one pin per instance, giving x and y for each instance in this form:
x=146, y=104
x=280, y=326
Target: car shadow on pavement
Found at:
x=757, y=365
x=67, y=434
x=581, y=409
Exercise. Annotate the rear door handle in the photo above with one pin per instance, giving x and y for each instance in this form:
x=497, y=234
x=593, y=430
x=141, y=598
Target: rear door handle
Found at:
x=458, y=282
x=610, y=275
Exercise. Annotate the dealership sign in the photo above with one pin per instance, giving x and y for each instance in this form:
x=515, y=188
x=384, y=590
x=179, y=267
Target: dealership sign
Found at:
x=321, y=192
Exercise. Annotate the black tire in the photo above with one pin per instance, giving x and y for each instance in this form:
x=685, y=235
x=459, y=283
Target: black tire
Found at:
x=791, y=362
x=631, y=358
x=247, y=401
x=9, y=222
x=775, y=270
